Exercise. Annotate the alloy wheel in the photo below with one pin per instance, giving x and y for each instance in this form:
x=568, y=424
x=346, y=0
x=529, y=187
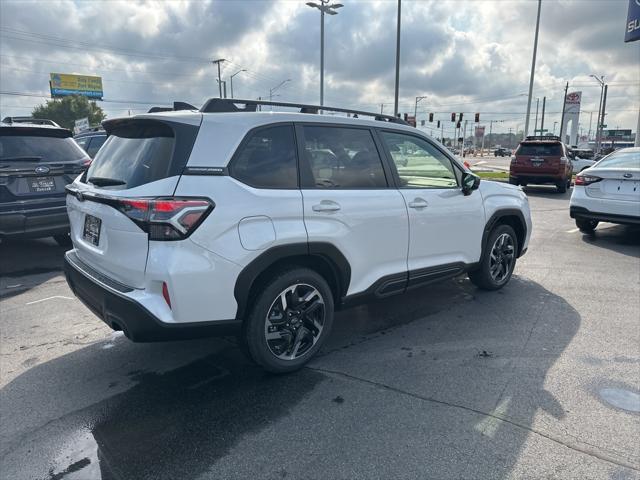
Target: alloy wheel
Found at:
x=502, y=257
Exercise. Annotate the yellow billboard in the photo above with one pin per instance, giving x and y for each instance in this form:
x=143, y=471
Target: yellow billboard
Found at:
x=64, y=84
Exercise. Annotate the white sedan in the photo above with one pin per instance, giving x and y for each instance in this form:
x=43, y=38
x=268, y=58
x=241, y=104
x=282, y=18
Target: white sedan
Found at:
x=609, y=191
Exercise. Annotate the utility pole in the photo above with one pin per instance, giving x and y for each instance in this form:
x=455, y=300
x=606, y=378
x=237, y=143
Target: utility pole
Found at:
x=224, y=88
x=590, y=120
x=490, y=130
x=381, y=108
x=533, y=69
x=395, y=103
x=637, y=141
x=600, y=80
x=564, y=103
x=442, y=132
x=604, y=107
x=544, y=101
x=554, y=127
x=535, y=128
x=464, y=135
x=218, y=62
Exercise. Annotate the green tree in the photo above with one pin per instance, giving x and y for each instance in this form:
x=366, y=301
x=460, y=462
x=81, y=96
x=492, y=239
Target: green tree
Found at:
x=69, y=109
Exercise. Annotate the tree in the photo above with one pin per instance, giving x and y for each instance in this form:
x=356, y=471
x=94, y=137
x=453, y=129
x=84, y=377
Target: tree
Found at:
x=69, y=109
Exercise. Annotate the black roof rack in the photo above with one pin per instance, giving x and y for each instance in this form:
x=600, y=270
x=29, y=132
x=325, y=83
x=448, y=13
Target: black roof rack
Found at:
x=219, y=105
x=33, y=121
x=176, y=107
x=542, y=137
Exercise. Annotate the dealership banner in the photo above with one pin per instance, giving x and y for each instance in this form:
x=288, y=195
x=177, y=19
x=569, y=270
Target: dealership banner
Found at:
x=632, y=27
x=64, y=84
x=571, y=118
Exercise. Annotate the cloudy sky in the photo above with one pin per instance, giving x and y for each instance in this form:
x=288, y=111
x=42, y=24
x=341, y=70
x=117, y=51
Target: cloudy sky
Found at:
x=465, y=56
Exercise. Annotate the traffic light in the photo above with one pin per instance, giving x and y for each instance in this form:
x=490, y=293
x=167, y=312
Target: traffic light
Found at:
x=477, y=118
x=438, y=123
x=460, y=116
x=431, y=118
x=453, y=117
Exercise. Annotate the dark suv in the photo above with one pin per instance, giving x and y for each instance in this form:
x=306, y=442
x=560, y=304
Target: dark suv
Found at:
x=91, y=140
x=37, y=161
x=541, y=160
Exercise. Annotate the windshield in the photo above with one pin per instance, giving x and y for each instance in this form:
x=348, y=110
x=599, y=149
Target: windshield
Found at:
x=30, y=148
x=133, y=155
x=540, y=149
x=621, y=159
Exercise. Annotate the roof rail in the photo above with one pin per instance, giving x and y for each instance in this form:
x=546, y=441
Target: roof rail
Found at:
x=176, y=107
x=33, y=121
x=219, y=105
x=542, y=137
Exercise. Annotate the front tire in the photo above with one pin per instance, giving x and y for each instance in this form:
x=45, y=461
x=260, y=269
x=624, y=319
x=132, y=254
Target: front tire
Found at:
x=291, y=318
x=499, y=259
x=586, y=225
x=562, y=187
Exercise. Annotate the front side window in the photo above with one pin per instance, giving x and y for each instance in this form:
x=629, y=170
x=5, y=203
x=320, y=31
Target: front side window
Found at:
x=341, y=157
x=267, y=159
x=419, y=164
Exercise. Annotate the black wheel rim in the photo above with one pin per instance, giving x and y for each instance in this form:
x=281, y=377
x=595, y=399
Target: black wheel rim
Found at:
x=294, y=321
x=501, y=258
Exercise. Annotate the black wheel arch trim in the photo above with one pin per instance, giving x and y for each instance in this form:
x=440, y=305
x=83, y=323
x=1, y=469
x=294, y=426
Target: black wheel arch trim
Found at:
x=495, y=219
x=328, y=253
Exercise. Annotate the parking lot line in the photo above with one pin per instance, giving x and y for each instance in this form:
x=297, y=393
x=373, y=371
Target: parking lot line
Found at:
x=49, y=298
x=573, y=230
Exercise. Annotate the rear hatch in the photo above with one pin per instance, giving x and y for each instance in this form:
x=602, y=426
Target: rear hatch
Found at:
x=35, y=165
x=142, y=159
x=616, y=184
x=538, y=158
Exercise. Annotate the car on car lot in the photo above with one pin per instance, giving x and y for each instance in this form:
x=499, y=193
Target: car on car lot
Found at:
x=578, y=163
x=608, y=192
x=224, y=219
x=91, y=140
x=501, y=152
x=37, y=160
x=541, y=160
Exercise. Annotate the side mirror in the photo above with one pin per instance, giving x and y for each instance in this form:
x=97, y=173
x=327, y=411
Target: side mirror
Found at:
x=470, y=182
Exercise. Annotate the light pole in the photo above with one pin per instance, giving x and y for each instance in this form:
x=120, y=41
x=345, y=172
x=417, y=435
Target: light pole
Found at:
x=535, y=128
x=324, y=7
x=231, y=79
x=533, y=69
x=600, y=80
x=218, y=62
x=271, y=90
x=397, y=89
x=554, y=127
x=415, y=110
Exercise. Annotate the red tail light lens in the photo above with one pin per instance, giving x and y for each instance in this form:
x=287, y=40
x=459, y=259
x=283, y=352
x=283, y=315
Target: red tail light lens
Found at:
x=166, y=218
x=586, y=179
x=165, y=294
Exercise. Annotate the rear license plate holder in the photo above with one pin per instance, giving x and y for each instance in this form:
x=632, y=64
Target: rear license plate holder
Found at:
x=42, y=184
x=91, y=232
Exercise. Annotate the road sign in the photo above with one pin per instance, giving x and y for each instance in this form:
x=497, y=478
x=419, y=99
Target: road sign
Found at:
x=632, y=27
x=81, y=125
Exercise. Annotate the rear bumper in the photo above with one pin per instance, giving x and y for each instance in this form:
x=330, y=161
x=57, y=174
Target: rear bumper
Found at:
x=581, y=212
x=40, y=222
x=537, y=178
x=108, y=300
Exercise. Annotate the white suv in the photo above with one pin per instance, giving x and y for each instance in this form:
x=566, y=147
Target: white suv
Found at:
x=229, y=220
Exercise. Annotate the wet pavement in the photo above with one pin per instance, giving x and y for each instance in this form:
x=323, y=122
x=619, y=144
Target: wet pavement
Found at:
x=538, y=380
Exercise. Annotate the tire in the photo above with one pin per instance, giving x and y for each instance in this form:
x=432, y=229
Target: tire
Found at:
x=586, y=225
x=64, y=240
x=483, y=277
x=562, y=187
x=290, y=327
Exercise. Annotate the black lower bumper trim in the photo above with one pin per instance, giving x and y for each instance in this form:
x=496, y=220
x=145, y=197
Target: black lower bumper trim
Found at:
x=139, y=325
x=581, y=212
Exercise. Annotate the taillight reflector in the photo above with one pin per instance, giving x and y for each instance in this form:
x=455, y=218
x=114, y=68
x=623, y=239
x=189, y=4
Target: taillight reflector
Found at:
x=165, y=293
x=586, y=179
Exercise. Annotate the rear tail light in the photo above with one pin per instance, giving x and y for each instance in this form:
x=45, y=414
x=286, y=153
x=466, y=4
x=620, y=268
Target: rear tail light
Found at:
x=86, y=163
x=165, y=218
x=165, y=294
x=514, y=160
x=585, y=180
x=564, y=160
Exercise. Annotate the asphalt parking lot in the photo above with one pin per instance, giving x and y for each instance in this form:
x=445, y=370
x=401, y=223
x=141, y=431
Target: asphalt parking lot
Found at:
x=538, y=380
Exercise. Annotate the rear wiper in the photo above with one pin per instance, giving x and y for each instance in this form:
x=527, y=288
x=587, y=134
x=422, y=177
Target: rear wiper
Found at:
x=105, y=182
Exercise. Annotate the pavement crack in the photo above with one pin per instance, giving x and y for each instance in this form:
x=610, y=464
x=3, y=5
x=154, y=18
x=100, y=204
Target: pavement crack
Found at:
x=586, y=449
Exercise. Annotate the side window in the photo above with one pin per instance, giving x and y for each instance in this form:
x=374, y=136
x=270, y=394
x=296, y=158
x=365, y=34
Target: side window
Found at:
x=96, y=143
x=419, y=164
x=267, y=159
x=342, y=157
x=83, y=142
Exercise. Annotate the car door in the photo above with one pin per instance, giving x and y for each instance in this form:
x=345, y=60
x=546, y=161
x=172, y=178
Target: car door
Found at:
x=349, y=202
x=445, y=225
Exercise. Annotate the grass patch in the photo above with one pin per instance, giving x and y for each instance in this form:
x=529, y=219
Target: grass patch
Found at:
x=493, y=175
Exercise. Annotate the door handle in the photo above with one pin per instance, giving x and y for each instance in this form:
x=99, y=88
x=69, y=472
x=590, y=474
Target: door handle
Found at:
x=418, y=203
x=326, y=206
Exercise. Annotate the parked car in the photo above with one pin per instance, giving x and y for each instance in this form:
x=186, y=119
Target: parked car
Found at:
x=197, y=223
x=37, y=160
x=577, y=162
x=608, y=192
x=501, y=152
x=541, y=160
x=91, y=140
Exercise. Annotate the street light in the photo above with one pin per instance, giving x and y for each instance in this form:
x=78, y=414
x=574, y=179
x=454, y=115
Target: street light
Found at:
x=271, y=90
x=239, y=71
x=600, y=80
x=533, y=70
x=324, y=7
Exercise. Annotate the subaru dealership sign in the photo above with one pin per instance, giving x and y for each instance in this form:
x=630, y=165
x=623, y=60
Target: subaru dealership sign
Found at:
x=632, y=28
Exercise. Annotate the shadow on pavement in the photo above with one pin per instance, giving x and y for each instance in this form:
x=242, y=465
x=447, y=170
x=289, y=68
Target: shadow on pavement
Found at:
x=623, y=239
x=26, y=263
x=547, y=191
x=218, y=411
